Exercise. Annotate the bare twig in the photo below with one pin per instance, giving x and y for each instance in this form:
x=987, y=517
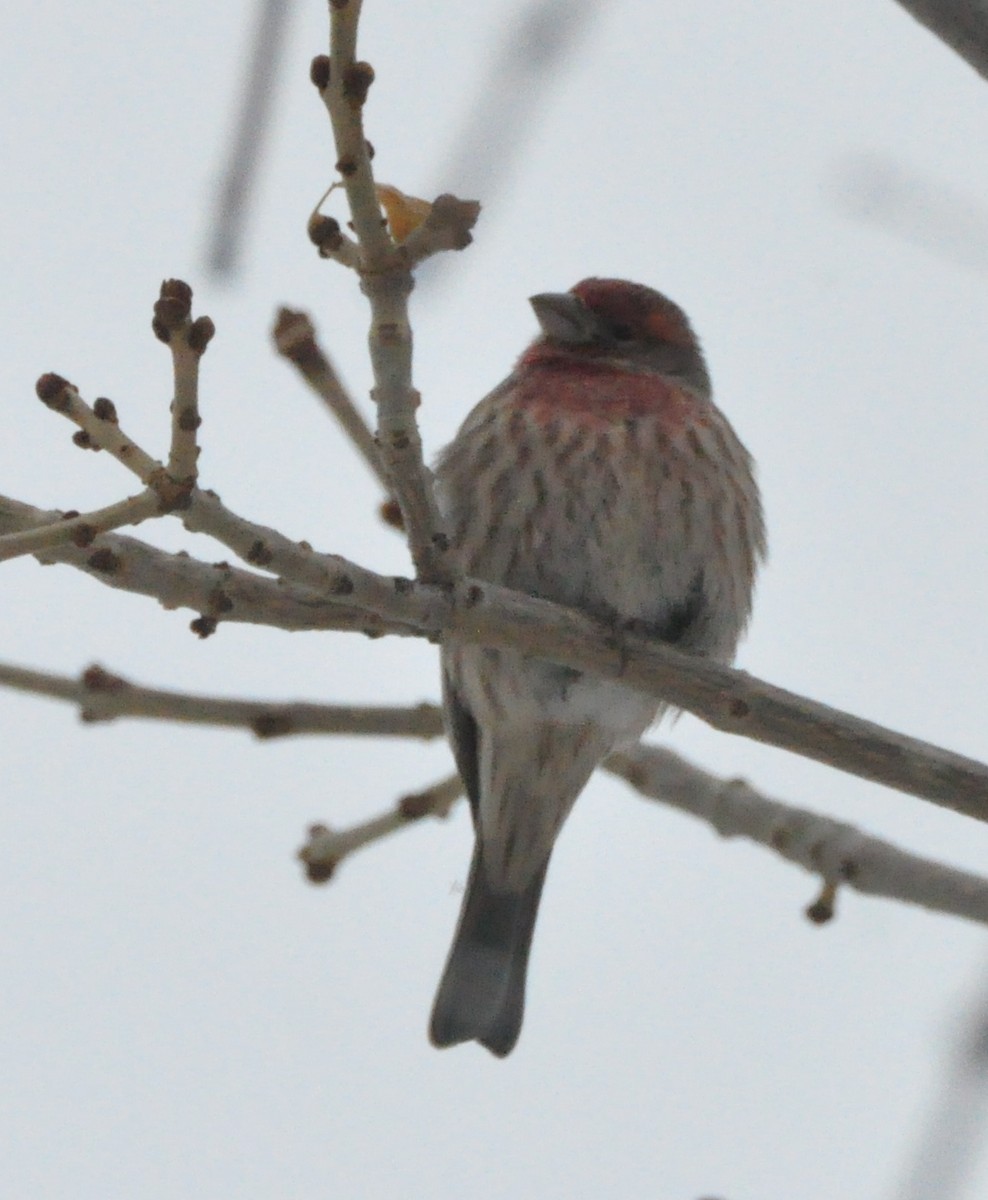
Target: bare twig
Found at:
x=218, y=591
x=326, y=847
x=187, y=340
x=295, y=339
x=839, y=853
x=104, y=696
x=81, y=528
x=387, y=282
x=168, y=487
x=100, y=428
x=726, y=699
x=447, y=227
x=325, y=574
x=345, y=95
x=960, y=24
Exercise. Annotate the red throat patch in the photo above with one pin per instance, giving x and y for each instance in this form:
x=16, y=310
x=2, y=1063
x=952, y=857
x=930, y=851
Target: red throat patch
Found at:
x=599, y=394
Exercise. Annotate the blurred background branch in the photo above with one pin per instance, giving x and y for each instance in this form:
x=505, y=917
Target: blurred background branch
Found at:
x=954, y=1136
x=881, y=191
x=960, y=24
x=244, y=155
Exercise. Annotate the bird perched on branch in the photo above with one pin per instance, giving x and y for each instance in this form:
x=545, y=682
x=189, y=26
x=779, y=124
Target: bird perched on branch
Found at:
x=600, y=475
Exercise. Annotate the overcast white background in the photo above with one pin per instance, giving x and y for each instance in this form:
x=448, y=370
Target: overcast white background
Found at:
x=182, y=1015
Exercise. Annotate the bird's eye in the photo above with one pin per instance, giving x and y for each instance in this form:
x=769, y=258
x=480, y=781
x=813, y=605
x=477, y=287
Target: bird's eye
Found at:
x=622, y=333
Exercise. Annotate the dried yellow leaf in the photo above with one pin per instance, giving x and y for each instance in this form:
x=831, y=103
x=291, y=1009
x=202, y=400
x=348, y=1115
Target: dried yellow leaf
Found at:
x=405, y=213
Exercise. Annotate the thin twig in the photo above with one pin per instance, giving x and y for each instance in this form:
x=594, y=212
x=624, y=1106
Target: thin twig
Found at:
x=104, y=696
x=217, y=591
x=837, y=852
x=183, y=456
x=387, y=282
x=349, y=83
x=295, y=339
x=327, y=575
x=326, y=847
x=81, y=529
x=100, y=427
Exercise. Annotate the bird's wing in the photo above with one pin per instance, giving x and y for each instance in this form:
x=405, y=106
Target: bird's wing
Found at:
x=464, y=737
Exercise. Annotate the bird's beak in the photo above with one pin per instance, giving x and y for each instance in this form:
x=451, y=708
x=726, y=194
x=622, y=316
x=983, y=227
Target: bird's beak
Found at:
x=564, y=318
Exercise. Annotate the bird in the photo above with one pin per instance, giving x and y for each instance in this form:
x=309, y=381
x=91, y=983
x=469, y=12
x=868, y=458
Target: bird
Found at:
x=600, y=475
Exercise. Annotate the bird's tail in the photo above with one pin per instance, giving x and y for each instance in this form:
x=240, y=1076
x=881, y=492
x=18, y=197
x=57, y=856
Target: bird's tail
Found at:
x=482, y=992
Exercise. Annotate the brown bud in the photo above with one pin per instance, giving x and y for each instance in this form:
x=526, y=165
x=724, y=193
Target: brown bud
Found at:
x=104, y=561
x=189, y=419
x=84, y=535
x=95, y=679
x=416, y=806
x=822, y=909
x=295, y=338
x=390, y=514
x=259, y=554
x=171, y=309
x=53, y=390
x=221, y=602
x=357, y=79
x=324, y=232
x=179, y=291
x=319, y=71
x=201, y=333
x=320, y=872
x=270, y=725
x=105, y=410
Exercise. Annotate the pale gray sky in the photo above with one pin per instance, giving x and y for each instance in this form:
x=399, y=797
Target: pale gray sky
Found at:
x=182, y=1015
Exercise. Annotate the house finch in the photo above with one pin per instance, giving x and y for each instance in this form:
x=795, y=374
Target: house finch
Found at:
x=600, y=475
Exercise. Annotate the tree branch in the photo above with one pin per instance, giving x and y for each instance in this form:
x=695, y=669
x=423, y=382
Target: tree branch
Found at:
x=960, y=24
x=838, y=852
x=215, y=590
x=326, y=847
x=487, y=614
x=295, y=340
x=81, y=529
x=252, y=122
x=103, y=696
x=387, y=281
